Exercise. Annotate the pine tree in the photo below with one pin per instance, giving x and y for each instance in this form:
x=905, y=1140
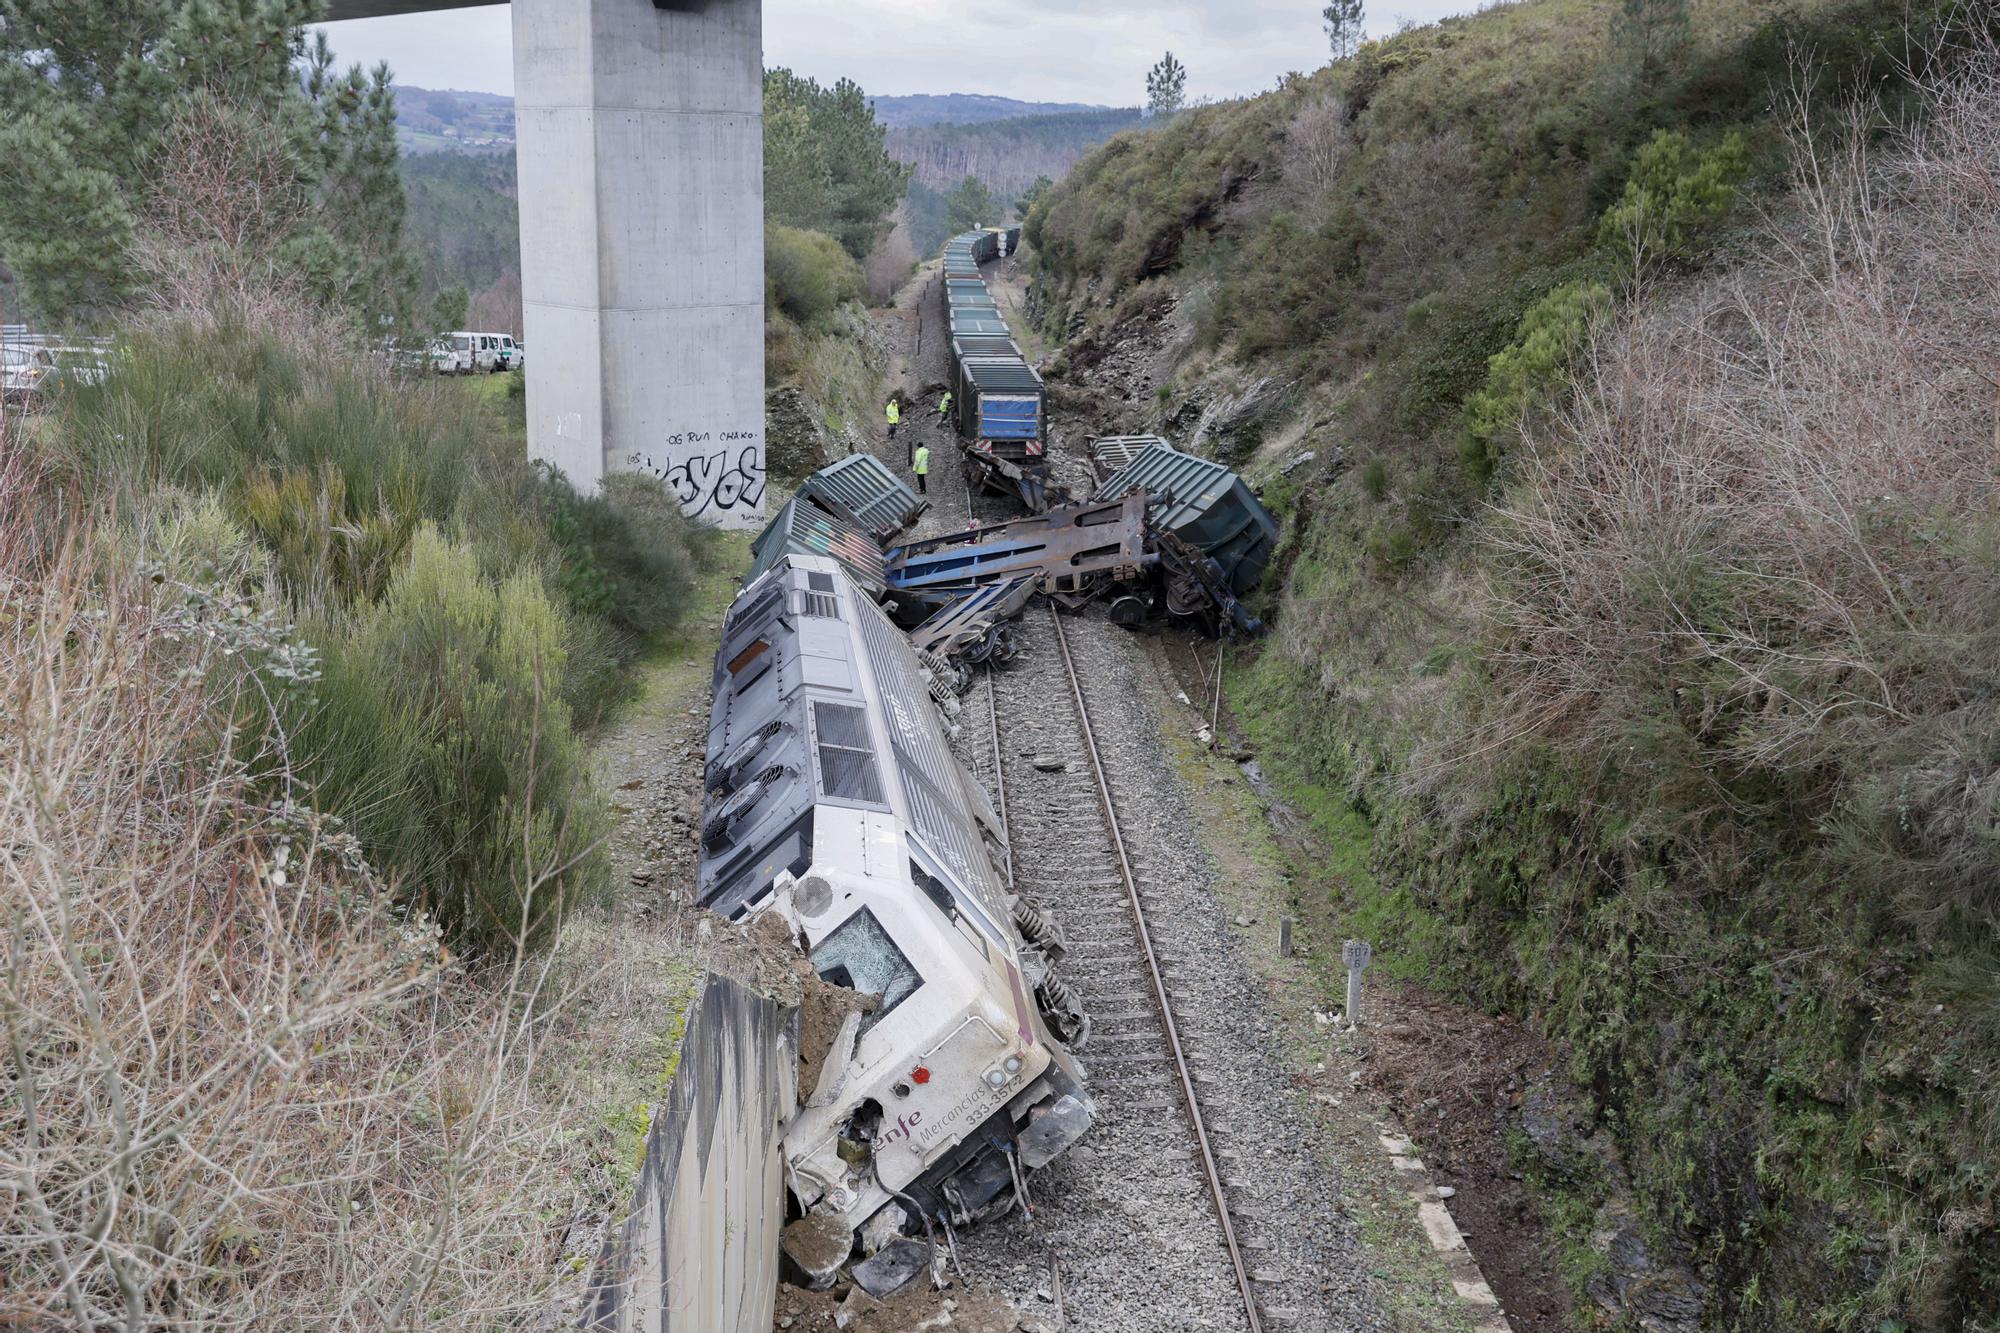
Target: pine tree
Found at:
x=97, y=101
x=1166, y=87
x=826, y=161
x=360, y=190
x=1651, y=34
x=1033, y=195
x=1343, y=26
x=971, y=205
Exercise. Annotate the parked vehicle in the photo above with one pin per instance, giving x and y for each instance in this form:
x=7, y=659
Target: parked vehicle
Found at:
x=28, y=375
x=452, y=354
x=32, y=368
x=466, y=353
x=22, y=370
x=512, y=354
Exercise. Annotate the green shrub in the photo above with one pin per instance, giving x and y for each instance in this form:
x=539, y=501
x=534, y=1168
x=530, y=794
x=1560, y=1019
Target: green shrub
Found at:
x=807, y=274
x=1530, y=369
x=628, y=556
x=450, y=751
x=1676, y=194
x=329, y=465
x=471, y=608
x=1375, y=479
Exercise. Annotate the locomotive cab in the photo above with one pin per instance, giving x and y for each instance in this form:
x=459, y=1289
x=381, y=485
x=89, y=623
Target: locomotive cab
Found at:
x=952, y=1082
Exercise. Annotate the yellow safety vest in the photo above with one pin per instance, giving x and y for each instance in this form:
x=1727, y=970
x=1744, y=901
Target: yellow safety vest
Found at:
x=944, y=404
x=922, y=462
x=895, y=412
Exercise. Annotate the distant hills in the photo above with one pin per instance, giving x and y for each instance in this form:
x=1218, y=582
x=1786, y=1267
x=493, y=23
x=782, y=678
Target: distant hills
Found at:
x=429, y=120
x=433, y=118
x=967, y=109
x=1008, y=154
x=458, y=172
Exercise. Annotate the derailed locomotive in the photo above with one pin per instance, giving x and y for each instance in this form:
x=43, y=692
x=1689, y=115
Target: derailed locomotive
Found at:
x=834, y=800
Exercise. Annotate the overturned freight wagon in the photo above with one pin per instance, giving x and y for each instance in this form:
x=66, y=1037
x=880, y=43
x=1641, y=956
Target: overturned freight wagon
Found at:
x=862, y=490
x=1203, y=503
x=802, y=528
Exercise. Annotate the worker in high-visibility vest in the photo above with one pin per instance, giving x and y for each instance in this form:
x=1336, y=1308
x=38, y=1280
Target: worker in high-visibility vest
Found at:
x=894, y=411
x=921, y=465
x=944, y=406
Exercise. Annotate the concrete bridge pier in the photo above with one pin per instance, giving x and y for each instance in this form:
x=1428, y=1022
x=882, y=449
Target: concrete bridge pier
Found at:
x=640, y=145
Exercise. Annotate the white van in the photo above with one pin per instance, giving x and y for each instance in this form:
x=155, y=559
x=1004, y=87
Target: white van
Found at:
x=512, y=354
x=463, y=352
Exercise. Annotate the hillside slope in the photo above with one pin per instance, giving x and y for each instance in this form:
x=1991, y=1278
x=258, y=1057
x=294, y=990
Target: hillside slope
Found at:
x=1633, y=645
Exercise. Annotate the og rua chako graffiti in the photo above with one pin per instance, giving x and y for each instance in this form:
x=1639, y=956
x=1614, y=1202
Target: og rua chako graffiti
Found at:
x=718, y=477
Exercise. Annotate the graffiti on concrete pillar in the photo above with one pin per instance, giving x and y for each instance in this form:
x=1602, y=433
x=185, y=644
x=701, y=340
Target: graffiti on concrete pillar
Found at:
x=717, y=476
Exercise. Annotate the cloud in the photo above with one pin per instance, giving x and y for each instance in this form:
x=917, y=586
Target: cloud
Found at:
x=1037, y=50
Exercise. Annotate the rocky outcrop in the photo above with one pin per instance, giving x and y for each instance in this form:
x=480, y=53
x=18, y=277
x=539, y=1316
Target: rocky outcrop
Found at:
x=796, y=444
x=1636, y=1283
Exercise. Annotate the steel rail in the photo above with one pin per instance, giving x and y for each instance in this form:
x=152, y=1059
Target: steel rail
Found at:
x=999, y=771
x=1188, y=1095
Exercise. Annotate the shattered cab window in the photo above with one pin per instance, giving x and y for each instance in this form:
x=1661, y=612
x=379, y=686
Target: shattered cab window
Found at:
x=860, y=956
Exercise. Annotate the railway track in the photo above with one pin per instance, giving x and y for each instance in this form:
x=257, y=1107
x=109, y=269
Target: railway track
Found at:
x=1029, y=736
x=1135, y=899
x=1199, y=1200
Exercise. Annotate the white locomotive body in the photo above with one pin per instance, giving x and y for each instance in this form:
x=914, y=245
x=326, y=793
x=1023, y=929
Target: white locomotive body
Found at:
x=834, y=799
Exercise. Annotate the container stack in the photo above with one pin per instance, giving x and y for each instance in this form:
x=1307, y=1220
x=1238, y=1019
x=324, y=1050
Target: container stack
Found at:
x=999, y=399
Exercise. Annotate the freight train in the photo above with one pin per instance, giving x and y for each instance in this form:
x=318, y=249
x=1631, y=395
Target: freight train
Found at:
x=835, y=804
x=1001, y=404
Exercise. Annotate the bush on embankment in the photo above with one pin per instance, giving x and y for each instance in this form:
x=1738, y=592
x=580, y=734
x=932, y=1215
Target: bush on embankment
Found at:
x=1688, y=748
x=1662, y=716
x=807, y=276
x=471, y=613
x=245, y=1086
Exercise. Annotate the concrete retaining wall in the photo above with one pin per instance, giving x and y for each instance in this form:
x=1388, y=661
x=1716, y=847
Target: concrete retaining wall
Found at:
x=699, y=1252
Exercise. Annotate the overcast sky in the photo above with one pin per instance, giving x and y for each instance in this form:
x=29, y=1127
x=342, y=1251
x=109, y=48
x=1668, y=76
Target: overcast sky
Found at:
x=1036, y=50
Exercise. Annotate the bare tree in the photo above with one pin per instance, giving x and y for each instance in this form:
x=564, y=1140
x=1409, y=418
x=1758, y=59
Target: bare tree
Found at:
x=229, y=190
x=890, y=262
x=1764, y=513
x=1319, y=145
x=1425, y=203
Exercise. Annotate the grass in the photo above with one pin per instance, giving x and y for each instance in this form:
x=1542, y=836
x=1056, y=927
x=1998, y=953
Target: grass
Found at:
x=261, y=1087
x=246, y=760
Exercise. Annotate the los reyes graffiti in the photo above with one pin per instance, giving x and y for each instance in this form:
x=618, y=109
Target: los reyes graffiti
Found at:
x=718, y=476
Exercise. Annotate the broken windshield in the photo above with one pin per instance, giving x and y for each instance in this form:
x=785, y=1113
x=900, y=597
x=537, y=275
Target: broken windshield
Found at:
x=860, y=956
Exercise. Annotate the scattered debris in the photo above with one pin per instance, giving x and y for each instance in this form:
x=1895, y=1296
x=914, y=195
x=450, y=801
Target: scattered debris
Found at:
x=814, y=1248
x=898, y=1264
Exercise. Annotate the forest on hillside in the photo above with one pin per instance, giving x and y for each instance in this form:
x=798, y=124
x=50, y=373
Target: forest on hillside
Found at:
x=1006, y=155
